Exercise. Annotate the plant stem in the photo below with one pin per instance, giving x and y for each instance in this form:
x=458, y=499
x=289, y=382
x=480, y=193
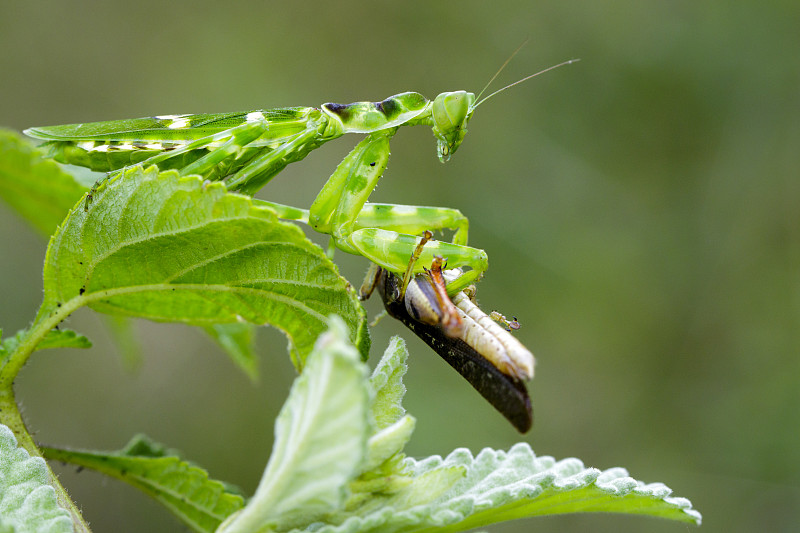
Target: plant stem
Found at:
x=46, y=319
x=9, y=411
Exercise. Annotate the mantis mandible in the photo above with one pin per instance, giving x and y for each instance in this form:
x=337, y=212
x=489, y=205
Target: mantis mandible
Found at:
x=246, y=150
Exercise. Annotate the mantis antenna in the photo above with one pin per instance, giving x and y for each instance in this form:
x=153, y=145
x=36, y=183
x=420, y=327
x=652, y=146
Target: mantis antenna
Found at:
x=526, y=78
x=503, y=66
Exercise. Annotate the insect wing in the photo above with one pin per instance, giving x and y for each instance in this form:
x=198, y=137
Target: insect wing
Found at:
x=107, y=146
x=163, y=127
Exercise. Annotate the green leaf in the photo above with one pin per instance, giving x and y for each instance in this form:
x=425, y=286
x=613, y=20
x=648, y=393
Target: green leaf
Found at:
x=387, y=382
x=394, y=427
x=170, y=248
x=64, y=338
x=389, y=442
x=320, y=441
x=55, y=338
x=124, y=337
x=9, y=344
x=199, y=502
x=37, y=188
x=27, y=501
x=463, y=492
x=237, y=341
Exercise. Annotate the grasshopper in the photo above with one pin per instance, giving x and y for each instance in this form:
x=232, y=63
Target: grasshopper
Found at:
x=494, y=362
x=485, y=353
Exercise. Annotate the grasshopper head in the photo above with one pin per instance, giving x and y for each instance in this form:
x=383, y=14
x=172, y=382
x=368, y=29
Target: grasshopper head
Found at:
x=451, y=112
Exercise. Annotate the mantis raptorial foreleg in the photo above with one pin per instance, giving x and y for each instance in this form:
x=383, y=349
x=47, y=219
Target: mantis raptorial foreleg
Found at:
x=339, y=206
x=383, y=233
x=414, y=219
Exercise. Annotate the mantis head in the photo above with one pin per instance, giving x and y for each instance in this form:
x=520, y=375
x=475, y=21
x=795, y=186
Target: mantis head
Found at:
x=451, y=112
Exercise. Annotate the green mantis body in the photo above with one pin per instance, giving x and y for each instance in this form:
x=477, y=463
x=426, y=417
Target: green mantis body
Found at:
x=246, y=150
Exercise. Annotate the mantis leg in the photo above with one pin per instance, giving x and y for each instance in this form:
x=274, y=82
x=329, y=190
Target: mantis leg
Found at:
x=237, y=140
x=417, y=220
x=232, y=141
x=256, y=164
x=391, y=245
x=262, y=168
x=414, y=219
x=388, y=242
x=285, y=212
x=343, y=196
x=391, y=250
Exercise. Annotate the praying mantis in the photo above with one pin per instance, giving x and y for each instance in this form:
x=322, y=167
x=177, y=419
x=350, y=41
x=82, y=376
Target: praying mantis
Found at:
x=246, y=150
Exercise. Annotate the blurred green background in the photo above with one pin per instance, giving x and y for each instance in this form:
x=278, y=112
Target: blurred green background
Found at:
x=640, y=210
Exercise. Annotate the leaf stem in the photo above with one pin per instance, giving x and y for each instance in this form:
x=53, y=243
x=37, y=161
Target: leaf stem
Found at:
x=45, y=321
x=9, y=410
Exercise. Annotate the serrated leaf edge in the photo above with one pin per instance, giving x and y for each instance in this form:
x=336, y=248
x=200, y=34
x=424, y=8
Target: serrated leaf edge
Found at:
x=151, y=475
x=497, y=483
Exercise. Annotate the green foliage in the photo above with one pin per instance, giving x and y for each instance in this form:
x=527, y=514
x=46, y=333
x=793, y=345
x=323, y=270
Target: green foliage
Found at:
x=43, y=194
x=27, y=500
x=55, y=338
x=173, y=249
x=197, y=501
x=320, y=441
x=122, y=330
x=155, y=245
x=64, y=338
x=321, y=476
x=35, y=187
x=302, y=485
x=387, y=382
x=236, y=339
x=462, y=492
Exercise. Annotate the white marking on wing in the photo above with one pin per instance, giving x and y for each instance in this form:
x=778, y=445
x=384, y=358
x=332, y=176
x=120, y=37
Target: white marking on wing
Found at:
x=255, y=116
x=176, y=121
x=179, y=123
